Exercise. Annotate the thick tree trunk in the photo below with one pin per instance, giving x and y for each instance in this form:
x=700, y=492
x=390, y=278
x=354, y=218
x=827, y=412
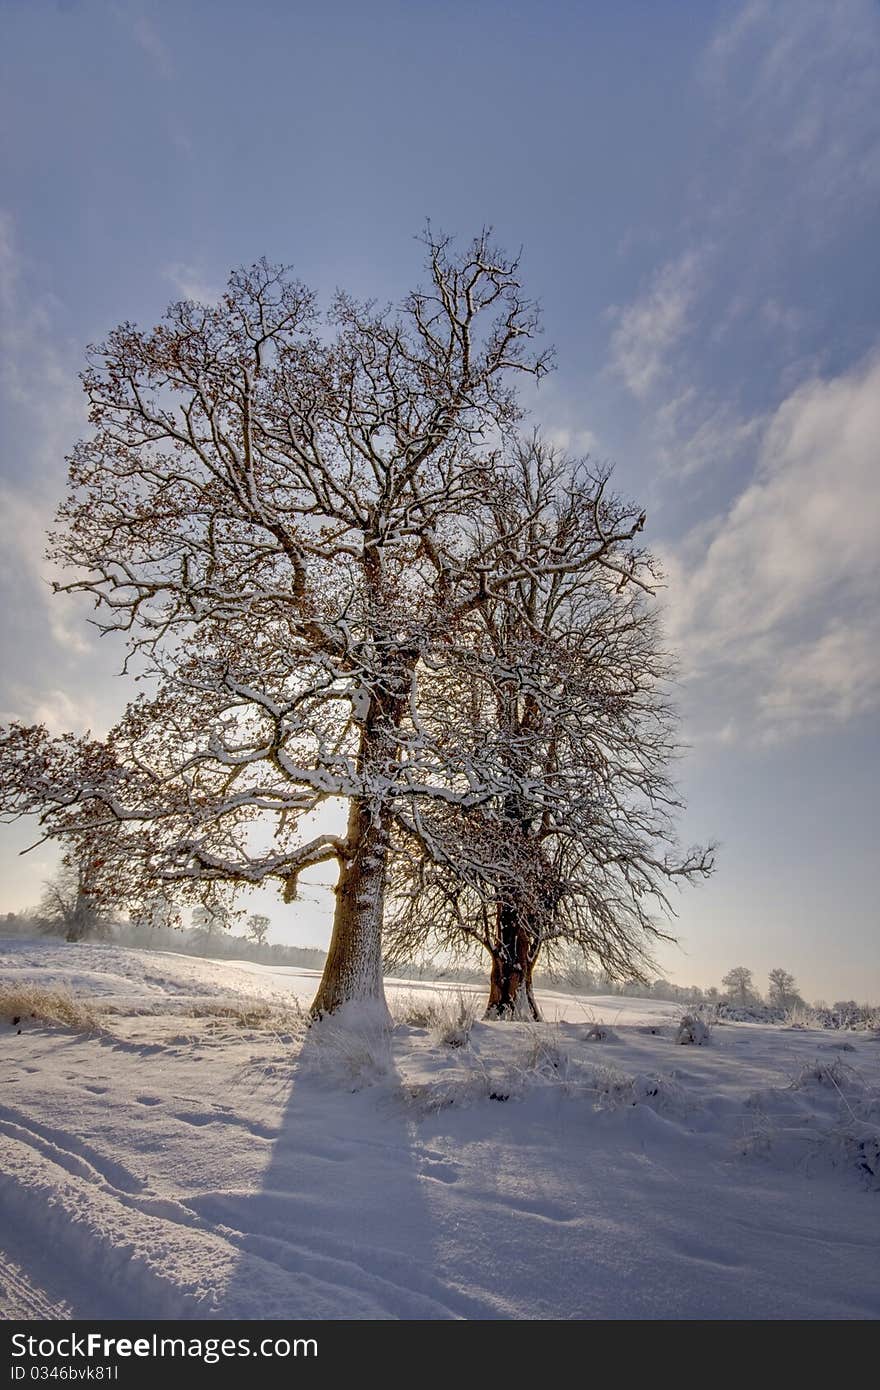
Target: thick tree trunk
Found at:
x=353, y=969
x=81, y=920
x=510, y=983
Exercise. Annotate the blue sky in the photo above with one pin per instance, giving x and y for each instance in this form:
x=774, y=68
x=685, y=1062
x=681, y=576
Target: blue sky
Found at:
x=696, y=188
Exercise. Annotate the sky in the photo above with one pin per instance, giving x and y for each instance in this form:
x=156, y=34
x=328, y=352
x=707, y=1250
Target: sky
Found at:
x=696, y=190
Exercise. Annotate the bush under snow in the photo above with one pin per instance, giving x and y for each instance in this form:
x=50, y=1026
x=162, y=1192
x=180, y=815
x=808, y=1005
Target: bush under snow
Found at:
x=692, y=1030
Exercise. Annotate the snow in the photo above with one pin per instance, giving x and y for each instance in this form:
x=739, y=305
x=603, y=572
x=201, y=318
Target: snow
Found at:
x=181, y=1163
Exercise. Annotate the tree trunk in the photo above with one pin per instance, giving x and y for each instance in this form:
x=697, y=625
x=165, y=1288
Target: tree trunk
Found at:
x=80, y=920
x=510, y=983
x=353, y=969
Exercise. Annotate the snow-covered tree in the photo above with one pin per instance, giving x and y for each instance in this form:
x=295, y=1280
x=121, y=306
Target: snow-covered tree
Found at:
x=258, y=927
x=561, y=679
x=284, y=517
x=783, y=990
x=211, y=918
x=739, y=986
x=72, y=903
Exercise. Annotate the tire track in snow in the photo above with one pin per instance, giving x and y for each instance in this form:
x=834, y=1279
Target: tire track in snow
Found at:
x=153, y=1258
x=112, y=1177
x=66, y=1149
x=405, y=1289
x=21, y=1298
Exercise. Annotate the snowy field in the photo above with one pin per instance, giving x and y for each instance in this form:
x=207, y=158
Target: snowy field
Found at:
x=197, y=1155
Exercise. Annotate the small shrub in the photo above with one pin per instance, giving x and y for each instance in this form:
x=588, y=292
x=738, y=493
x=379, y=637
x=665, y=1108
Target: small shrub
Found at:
x=692, y=1030
x=545, y=1055
x=449, y=1018
x=835, y=1074
x=598, y=1032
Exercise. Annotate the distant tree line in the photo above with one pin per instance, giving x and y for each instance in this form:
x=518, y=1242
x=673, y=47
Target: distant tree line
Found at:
x=64, y=911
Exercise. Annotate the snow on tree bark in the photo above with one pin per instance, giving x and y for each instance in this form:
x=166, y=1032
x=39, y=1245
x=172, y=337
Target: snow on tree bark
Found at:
x=510, y=980
x=565, y=675
x=284, y=525
x=354, y=960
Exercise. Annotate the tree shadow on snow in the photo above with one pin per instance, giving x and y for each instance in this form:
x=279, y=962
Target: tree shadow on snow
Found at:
x=340, y=1227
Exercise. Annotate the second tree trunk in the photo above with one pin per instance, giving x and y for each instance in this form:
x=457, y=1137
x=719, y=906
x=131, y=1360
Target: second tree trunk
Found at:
x=510, y=983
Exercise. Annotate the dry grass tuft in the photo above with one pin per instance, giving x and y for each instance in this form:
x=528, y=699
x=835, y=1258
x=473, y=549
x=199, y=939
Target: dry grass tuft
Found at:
x=24, y=1003
x=448, y=1017
x=274, y=1016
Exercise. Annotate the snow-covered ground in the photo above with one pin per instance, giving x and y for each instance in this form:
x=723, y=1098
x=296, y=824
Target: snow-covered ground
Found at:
x=185, y=1162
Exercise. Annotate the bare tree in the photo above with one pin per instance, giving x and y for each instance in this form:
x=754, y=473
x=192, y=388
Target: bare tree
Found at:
x=283, y=519
x=258, y=927
x=211, y=918
x=783, y=991
x=739, y=986
x=72, y=903
x=561, y=677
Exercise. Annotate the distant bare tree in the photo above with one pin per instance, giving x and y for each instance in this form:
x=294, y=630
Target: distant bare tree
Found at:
x=72, y=903
x=739, y=986
x=258, y=927
x=783, y=991
x=211, y=918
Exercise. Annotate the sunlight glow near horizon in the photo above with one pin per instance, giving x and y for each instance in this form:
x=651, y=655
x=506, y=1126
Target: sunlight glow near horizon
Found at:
x=699, y=211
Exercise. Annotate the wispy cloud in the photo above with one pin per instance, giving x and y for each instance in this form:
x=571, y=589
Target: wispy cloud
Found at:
x=25, y=574
x=648, y=330
x=28, y=330
x=57, y=709
x=147, y=37
x=191, y=282
x=792, y=93
x=658, y=348
x=799, y=82
x=144, y=33
x=829, y=680
x=696, y=429
x=44, y=411
x=773, y=605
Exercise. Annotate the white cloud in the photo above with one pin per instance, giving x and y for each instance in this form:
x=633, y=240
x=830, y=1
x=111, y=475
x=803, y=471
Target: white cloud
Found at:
x=694, y=430
x=793, y=110
x=58, y=710
x=26, y=575
x=648, y=330
x=773, y=606
x=576, y=443
x=832, y=679
x=45, y=637
x=191, y=283
x=148, y=39
x=38, y=381
x=782, y=318
x=29, y=340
